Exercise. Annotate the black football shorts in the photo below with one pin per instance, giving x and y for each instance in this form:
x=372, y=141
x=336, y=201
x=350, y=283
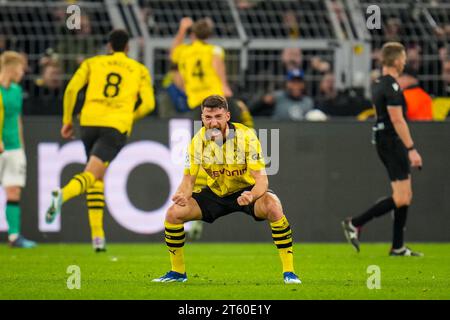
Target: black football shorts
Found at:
x=102, y=142
x=214, y=207
x=394, y=156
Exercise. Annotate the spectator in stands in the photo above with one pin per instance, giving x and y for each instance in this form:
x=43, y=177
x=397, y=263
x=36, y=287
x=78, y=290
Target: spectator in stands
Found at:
x=418, y=102
x=414, y=58
x=288, y=104
x=444, y=82
x=50, y=88
x=392, y=29
x=334, y=103
x=292, y=59
x=52, y=76
x=327, y=94
x=77, y=45
x=315, y=67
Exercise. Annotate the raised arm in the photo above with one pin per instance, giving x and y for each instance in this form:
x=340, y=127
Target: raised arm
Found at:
x=219, y=65
x=185, y=24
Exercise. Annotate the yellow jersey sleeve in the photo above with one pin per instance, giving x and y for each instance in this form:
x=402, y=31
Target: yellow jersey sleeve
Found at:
x=193, y=159
x=78, y=81
x=147, y=96
x=254, y=157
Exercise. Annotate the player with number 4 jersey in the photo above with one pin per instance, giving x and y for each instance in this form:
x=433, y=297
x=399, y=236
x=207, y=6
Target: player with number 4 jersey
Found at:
x=114, y=85
x=200, y=64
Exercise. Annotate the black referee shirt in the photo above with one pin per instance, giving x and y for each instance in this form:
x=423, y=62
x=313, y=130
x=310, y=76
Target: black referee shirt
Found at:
x=386, y=92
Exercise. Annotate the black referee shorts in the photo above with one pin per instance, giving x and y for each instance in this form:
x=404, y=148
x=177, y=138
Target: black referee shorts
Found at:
x=102, y=142
x=214, y=207
x=394, y=156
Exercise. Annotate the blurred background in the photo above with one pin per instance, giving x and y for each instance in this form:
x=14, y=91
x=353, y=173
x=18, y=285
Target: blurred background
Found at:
x=329, y=40
x=328, y=168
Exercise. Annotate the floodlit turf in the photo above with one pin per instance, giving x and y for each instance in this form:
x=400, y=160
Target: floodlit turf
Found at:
x=223, y=271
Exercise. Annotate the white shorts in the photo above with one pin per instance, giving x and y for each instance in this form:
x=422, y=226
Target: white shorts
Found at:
x=13, y=168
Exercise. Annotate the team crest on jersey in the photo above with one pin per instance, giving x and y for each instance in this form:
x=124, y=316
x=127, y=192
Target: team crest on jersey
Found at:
x=256, y=156
x=395, y=86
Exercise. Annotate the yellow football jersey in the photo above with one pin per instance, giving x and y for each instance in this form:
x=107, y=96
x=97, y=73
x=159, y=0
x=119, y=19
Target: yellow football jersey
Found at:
x=195, y=64
x=228, y=165
x=441, y=108
x=114, y=84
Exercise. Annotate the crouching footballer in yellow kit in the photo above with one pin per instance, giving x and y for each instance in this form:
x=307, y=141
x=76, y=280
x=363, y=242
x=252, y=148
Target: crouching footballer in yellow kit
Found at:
x=231, y=155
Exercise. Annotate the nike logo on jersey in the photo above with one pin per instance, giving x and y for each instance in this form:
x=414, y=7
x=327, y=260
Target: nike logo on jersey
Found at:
x=395, y=86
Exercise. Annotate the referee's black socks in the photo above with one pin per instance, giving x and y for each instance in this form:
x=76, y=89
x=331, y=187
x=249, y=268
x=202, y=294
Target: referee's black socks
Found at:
x=380, y=208
x=400, y=215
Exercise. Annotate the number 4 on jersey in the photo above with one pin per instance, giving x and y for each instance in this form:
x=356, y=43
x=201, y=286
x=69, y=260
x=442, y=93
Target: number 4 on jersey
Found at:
x=198, y=70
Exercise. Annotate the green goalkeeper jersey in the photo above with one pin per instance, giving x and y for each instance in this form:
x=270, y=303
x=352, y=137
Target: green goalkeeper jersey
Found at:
x=10, y=111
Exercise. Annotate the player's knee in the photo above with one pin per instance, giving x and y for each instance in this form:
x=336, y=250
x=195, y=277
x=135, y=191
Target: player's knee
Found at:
x=97, y=167
x=98, y=174
x=13, y=193
x=403, y=199
x=273, y=210
x=175, y=214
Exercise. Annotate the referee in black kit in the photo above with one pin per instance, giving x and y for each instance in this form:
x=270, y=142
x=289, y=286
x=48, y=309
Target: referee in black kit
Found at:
x=395, y=148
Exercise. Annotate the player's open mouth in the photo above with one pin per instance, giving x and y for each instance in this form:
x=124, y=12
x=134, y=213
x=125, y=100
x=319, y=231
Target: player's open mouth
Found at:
x=215, y=132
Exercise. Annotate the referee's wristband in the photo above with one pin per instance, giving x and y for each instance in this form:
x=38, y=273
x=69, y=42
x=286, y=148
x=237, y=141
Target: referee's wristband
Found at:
x=411, y=148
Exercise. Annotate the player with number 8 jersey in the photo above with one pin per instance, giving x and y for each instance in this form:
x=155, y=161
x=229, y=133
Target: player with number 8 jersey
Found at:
x=114, y=85
x=114, y=82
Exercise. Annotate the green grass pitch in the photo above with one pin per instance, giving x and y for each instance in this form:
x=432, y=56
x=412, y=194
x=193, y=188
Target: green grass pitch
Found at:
x=223, y=271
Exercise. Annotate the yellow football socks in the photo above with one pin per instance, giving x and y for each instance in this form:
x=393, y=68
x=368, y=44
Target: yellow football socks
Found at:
x=79, y=184
x=95, y=199
x=282, y=237
x=175, y=238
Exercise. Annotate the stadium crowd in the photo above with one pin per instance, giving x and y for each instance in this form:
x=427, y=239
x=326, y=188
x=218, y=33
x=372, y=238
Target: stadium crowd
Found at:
x=308, y=81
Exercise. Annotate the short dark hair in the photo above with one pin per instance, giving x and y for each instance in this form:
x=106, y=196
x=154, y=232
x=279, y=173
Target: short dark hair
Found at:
x=118, y=39
x=215, y=101
x=203, y=28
